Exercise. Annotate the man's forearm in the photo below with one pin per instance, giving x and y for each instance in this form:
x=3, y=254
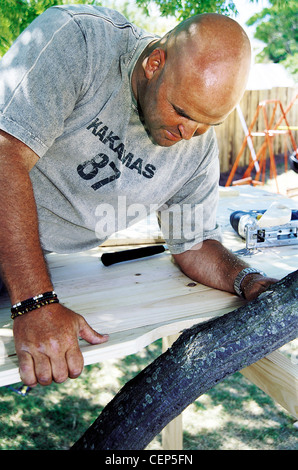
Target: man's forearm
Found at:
x=215, y=266
x=211, y=264
x=23, y=268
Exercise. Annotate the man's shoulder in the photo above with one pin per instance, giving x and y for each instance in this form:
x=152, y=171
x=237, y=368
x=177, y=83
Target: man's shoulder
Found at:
x=90, y=10
x=99, y=14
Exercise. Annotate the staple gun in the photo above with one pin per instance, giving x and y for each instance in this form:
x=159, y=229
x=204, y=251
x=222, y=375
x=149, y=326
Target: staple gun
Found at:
x=245, y=223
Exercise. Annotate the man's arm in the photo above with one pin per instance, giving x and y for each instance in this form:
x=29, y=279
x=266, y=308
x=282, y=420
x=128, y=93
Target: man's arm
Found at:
x=213, y=265
x=46, y=339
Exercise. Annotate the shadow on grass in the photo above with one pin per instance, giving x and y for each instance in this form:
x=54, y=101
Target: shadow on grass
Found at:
x=236, y=414
x=55, y=417
x=37, y=422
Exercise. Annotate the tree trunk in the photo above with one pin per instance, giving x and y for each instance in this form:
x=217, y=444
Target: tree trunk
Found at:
x=200, y=358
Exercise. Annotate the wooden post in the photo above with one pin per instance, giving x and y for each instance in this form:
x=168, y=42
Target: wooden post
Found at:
x=172, y=433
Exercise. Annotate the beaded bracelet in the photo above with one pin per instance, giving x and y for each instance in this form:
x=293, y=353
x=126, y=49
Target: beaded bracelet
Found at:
x=33, y=303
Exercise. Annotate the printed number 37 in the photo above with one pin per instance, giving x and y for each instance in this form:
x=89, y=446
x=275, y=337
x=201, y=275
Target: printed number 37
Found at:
x=90, y=168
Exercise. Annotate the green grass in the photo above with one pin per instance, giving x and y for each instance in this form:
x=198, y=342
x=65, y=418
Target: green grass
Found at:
x=234, y=415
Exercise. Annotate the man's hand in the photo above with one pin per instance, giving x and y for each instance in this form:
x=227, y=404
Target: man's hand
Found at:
x=46, y=342
x=254, y=284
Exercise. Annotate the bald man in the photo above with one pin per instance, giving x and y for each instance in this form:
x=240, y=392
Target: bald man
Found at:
x=100, y=121
x=198, y=71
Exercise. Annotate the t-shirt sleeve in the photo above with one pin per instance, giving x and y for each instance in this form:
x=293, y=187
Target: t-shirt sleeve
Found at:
x=41, y=78
x=189, y=217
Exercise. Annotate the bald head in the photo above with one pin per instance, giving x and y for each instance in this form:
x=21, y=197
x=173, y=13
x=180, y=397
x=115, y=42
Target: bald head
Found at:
x=210, y=25
x=216, y=52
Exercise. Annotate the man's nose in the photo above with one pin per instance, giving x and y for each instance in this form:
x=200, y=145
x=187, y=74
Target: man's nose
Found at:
x=191, y=128
x=187, y=129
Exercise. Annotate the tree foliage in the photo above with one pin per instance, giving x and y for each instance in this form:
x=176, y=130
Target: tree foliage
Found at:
x=276, y=26
x=183, y=9
x=16, y=15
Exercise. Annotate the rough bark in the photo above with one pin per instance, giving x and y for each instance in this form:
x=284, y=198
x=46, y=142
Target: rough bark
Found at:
x=201, y=357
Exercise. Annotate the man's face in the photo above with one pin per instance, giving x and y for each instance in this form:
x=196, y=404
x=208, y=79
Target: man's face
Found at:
x=174, y=107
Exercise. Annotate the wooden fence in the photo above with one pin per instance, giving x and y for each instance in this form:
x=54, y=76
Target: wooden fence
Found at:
x=230, y=134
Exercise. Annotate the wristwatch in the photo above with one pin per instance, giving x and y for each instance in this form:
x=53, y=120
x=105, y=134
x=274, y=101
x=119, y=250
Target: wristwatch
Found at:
x=241, y=276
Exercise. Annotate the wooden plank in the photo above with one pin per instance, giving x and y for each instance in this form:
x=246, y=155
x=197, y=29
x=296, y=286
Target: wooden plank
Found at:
x=136, y=303
x=277, y=376
x=245, y=105
x=141, y=301
x=230, y=126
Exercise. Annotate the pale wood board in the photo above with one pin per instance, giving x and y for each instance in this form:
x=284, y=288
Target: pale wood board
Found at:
x=140, y=301
x=135, y=303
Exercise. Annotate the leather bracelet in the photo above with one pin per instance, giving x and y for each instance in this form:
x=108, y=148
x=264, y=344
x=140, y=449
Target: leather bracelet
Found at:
x=240, y=276
x=38, y=301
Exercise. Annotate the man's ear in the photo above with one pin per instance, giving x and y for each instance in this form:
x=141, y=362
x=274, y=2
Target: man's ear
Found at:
x=154, y=62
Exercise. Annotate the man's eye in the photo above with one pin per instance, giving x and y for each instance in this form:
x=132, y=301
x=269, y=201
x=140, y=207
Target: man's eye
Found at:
x=181, y=113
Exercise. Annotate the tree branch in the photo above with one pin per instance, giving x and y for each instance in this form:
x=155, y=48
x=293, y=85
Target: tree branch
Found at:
x=201, y=357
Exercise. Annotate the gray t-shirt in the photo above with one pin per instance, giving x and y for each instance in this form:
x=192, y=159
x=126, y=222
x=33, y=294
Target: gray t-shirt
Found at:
x=65, y=92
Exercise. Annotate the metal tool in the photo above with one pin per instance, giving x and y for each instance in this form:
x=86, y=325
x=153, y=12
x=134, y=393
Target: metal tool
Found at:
x=128, y=255
x=245, y=223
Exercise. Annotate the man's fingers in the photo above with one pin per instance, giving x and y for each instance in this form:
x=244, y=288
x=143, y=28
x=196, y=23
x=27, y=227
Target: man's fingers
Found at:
x=27, y=370
x=43, y=369
x=87, y=333
x=75, y=362
x=51, y=350
x=59, y=368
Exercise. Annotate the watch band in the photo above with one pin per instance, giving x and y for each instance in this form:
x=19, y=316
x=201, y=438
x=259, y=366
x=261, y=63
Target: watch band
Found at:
x=241, y=276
